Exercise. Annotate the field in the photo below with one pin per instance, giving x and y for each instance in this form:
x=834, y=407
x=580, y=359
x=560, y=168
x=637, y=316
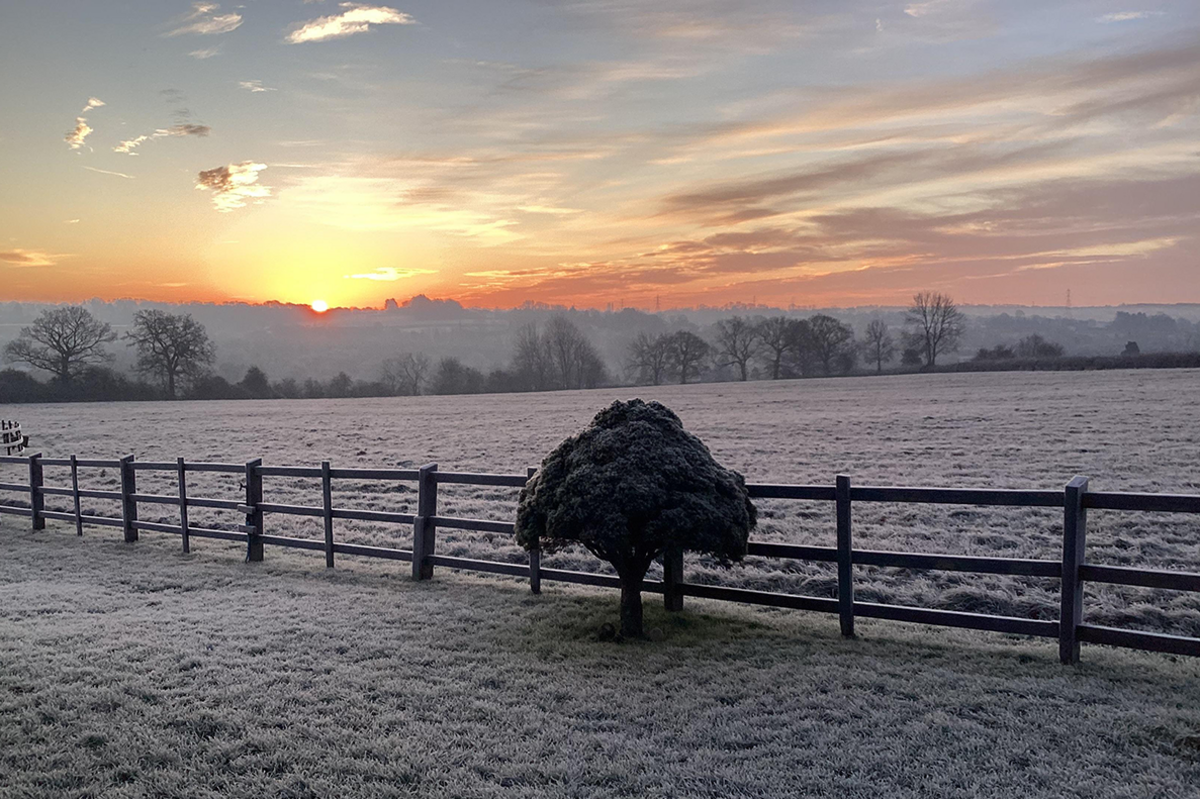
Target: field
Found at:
x=136, y=671
x=1126, y=430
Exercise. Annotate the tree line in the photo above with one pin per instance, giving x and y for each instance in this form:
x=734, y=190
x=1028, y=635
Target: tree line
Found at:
x=174, y=357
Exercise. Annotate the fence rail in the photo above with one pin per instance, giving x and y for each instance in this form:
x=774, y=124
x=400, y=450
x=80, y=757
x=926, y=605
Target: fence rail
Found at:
x=1072, y=571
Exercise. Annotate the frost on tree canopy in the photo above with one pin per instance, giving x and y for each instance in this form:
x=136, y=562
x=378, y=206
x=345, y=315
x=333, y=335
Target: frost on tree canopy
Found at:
x=632, y=485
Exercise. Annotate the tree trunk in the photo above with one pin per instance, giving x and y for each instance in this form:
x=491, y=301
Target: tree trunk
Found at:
x=631, y=606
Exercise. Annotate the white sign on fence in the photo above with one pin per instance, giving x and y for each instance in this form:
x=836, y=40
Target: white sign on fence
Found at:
x=12, y=442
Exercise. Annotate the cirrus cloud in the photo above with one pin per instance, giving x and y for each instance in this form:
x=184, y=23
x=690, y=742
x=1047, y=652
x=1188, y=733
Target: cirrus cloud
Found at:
x=356, y=18
x=127, y=147
x=389, y=273
x=205, y=21
x=27, y=258
x=232, y=185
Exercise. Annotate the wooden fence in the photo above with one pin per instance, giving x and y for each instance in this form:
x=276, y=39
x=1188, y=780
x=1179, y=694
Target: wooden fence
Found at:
x=1072, y=570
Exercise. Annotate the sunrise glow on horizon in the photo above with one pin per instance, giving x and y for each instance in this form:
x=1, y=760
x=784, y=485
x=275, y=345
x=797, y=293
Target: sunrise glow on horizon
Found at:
x=601, y=153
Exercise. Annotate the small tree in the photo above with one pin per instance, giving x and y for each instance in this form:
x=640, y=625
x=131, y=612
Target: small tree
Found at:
x=1034, y=346
x=170, y=347
x=649, y=358
x=630, y=486
x=831, y=343
x=405, y=375
x=879, y=346
x=63, y=341
x=737, y=344
x=256, y=384
x=687, y=353
x=777, y=341
x=936, y=324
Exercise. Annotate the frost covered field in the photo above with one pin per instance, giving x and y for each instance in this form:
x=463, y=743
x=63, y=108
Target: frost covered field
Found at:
x=137, y=671
x=1127, y=430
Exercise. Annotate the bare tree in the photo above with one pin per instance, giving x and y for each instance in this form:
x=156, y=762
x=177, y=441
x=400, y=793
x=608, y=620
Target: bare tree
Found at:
x=776, y=340
x=936, y=324
x=170, y=347
x=561, y=357
x=737, y=344
x=532, y=358
x=831, y=343
x=687, y=352
x=63, y=341
x=649, y=358
x=406, y=374
x=879, y=345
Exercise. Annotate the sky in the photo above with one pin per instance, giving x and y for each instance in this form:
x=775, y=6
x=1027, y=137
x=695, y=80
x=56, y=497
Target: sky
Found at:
x=596, y=152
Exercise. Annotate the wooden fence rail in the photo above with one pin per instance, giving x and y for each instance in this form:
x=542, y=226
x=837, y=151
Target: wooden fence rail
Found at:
x=1072, y=571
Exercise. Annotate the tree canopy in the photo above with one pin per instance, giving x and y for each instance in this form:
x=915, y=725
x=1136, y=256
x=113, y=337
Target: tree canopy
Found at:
x=630, y=486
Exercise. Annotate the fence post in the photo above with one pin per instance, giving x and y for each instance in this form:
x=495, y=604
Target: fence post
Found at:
x=845, y=565
x=424, y=530
x=535, y=552
x=129, y=511
x=75, y=495
x=184, y=528
x=327, y=511
x=672, y=578
x=254, y=516
x=1074, y=544
x=37, y=502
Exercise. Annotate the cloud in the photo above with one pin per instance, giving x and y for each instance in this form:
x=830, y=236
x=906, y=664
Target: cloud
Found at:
x=93, y=102
x=1125, y=16
x=26, y=258
x=128, y=146
x=232, y=185
x=75, y=137
x=355, y=19
x=204, y=20
x=548, y=209
x=207, y=52
x=389, y=273
x=254, y=86
x=70, y=221
x=106, y=172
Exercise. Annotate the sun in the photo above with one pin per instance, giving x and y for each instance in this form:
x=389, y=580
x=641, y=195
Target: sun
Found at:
x=320, y=306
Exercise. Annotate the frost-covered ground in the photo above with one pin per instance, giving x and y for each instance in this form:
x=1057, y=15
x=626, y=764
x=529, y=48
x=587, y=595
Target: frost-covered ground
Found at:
x=135, y=671
x=1133, y=430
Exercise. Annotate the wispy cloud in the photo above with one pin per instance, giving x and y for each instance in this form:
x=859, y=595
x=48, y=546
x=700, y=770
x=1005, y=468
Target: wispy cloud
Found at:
x=75, y=137
x=26, y=258
x=93, y=102
x=254, y=86
x=355, y=19
x=1125, y=16
x=204, y=20
x=389, y=273
x=108, y=172
x=128, y=146
x=204, y=53
x=233, y=185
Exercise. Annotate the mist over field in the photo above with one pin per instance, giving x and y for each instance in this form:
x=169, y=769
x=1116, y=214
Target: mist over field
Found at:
x=291, y=341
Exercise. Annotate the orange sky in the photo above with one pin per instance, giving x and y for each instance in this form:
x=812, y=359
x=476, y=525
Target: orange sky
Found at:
x=608, y=152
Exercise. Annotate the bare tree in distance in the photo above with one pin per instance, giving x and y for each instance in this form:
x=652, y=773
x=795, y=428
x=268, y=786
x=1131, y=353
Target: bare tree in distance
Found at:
x=63, y=341
x=737, y=344
x=170, y=347
x=936, y=325
x=649, y=358
x=776, y=337
x=879, y=346
x=405, y=375
x=688, y=352
x=831, y=343
x=560, y=357
x=532, y=358
x=1034, y=346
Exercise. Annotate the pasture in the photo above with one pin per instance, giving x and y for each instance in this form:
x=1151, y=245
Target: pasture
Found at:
x=136, y=671
x=1132, y=431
